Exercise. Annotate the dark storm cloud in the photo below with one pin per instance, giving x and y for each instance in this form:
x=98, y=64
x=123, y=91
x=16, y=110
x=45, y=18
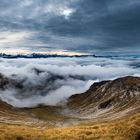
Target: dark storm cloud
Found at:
x=75, y=25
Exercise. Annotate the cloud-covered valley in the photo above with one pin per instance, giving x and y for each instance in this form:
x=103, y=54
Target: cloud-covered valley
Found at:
x=32, y=82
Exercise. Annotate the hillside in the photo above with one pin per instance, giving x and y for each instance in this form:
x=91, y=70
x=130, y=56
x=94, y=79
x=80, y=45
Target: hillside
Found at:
x=108, y=99
x=108, y=110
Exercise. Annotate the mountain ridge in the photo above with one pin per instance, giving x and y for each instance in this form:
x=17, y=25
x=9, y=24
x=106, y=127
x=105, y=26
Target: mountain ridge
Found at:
x=105, y=98
x=109, y=96
x=39, y=55
x=99, y=113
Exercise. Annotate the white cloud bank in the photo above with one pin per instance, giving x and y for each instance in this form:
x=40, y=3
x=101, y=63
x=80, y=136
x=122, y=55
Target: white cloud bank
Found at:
x=51, y=81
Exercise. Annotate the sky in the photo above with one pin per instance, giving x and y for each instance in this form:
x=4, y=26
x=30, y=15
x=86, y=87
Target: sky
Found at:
x=70, y=26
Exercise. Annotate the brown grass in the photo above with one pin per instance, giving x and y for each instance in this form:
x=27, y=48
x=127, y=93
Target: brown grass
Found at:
x=121, y=129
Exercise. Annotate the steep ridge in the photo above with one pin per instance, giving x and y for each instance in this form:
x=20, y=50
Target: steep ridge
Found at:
x=107, y=99
x=108, y=110
x=103, y=101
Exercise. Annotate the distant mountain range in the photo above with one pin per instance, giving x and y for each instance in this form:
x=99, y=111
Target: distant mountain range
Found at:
x=37, y=55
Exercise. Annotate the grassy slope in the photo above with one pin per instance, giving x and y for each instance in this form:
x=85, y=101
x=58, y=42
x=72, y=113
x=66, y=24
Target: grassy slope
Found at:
x=127, y=128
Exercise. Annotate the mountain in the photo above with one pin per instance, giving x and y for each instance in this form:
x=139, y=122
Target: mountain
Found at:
x=108, y=110
x=108, y=98
x=38, y=55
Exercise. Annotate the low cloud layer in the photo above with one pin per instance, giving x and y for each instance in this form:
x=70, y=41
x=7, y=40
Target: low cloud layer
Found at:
x=51, y=81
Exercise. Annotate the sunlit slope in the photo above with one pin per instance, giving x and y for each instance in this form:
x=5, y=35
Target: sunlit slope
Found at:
x=108, y=99
x=108, y=110
x=127, y=128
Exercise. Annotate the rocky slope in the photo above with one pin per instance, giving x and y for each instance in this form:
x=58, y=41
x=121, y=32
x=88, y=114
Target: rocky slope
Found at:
x=108, y=99
x=108, y=110
x=103, y=101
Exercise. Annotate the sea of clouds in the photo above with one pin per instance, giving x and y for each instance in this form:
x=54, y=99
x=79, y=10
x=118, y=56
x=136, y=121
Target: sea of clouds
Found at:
x=51, y=81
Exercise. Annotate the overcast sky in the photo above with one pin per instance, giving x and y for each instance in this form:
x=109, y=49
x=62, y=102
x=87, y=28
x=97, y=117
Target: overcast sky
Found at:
x=87, y=26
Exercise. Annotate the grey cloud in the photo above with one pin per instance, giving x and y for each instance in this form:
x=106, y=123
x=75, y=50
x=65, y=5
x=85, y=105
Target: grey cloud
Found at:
x=53, y=80
x=107, y=25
